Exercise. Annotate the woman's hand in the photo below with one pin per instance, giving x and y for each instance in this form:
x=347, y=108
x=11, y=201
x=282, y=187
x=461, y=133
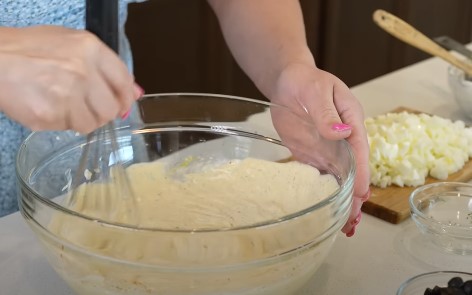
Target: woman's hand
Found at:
x=323, y=99
x=53, y=78
x=268, y=40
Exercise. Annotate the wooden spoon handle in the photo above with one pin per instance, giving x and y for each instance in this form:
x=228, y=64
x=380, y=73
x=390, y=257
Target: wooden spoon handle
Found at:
x=408, y=34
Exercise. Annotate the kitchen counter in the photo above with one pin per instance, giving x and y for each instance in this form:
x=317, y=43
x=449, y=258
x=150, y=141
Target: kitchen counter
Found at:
x=375, y=261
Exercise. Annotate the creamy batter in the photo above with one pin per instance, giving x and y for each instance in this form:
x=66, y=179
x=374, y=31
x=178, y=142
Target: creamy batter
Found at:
x=232, y=194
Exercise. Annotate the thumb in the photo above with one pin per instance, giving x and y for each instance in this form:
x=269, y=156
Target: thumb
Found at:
x=324, y=112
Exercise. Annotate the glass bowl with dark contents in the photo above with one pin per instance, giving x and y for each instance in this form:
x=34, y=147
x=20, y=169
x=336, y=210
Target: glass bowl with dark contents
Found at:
x=438, y=283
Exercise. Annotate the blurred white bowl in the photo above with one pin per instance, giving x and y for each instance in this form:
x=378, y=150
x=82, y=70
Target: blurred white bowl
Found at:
x=462, y=90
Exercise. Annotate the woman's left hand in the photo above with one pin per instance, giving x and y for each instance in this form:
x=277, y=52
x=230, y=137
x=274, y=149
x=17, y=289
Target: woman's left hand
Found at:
x=327, y=102
x=268, y=40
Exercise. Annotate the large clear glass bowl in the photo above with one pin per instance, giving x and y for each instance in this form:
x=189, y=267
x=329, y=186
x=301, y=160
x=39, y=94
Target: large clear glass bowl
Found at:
x=277, y=256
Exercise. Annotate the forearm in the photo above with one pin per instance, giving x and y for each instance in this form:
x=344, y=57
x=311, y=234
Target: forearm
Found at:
x=7, y=78
x=264, y=36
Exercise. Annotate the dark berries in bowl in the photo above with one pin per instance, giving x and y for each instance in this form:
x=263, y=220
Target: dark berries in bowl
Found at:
x=455, y=286
x=438, y=283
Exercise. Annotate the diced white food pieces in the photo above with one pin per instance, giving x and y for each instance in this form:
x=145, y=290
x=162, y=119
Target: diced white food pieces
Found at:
x=405, y=148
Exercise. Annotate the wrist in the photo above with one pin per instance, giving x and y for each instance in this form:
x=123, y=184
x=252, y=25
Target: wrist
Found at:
x=268, y=80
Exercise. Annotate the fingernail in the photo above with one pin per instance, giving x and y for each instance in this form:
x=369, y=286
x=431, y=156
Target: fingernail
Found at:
x=351, y=233
x=126, y=115
x=138, y=91
x=340, y=127
x=357, y=220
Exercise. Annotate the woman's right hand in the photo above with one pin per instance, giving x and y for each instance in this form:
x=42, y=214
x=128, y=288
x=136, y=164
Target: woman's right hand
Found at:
x=54, y=78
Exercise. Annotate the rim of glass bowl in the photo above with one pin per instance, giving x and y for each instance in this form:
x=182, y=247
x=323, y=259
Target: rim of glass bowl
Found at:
x=427, y=274
x=414, y=209
x=342, y=189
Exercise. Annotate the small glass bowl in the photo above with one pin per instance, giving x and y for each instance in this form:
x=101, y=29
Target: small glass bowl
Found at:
x=443, y=212
x=418, y=284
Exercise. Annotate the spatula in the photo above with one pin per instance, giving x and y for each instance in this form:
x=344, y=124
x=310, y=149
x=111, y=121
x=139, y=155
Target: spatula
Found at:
x=408, y=34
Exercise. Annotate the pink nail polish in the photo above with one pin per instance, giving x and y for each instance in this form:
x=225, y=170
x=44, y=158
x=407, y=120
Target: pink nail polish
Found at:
x=340, y=127
x=126, y=115
x=139, y=91
x=357, y=220
x=351, y=233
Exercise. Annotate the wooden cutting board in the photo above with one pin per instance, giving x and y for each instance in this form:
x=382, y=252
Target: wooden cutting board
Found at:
x=391, y=203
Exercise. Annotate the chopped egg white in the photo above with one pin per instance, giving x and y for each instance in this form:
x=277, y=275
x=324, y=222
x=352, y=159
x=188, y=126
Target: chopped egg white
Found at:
x=87, y=174
x=405, y=148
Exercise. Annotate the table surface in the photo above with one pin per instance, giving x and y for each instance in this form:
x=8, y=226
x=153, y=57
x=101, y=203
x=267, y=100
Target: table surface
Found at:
x=375, y=261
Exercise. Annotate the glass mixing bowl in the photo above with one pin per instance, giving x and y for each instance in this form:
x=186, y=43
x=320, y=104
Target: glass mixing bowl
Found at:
x=276, y=256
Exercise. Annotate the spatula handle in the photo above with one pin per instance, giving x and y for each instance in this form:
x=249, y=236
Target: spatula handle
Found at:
x=408, y=34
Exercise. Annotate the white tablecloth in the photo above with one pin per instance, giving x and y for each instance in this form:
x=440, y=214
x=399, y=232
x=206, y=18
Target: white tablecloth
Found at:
x=375, y=261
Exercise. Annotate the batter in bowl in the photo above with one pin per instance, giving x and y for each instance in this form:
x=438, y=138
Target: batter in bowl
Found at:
x=233, y=194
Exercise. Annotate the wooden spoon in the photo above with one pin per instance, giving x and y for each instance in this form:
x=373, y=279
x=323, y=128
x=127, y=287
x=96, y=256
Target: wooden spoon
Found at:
x=408, y=34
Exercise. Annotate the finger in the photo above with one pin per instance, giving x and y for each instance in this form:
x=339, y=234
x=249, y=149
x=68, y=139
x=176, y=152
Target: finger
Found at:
x=351, y=113
x=355, y=215
x=138, y=91
x=80, y=117
x=324, y=113
x=116, y=74
x=101, y=101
